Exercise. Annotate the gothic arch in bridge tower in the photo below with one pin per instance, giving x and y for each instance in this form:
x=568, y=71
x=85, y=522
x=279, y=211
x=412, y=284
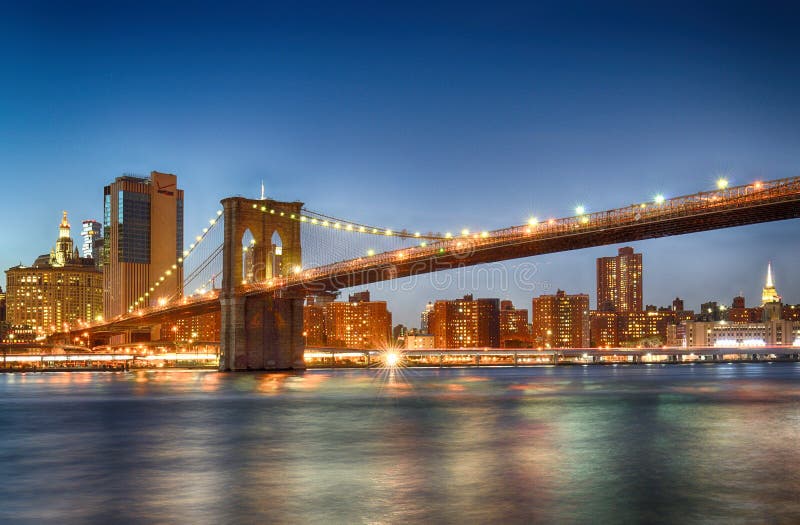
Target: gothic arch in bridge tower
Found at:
x=262, y=219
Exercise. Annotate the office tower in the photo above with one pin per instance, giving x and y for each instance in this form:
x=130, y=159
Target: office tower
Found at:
x=143, y=232
x=466, y=323
x=619, y=282
x=561, y=320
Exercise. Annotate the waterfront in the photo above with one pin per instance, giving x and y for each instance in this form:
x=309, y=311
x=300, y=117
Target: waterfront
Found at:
x=650, y=443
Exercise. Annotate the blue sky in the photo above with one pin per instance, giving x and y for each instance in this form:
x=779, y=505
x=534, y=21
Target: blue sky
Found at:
x=428, y=117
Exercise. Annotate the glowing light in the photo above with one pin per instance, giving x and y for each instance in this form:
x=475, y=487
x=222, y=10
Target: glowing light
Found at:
x=219, y=212
x=388, y=232
x=297, y=269
x=533, y=221
x=722, y=183
x=162, y=301
x=391, y=359
x=416, y=234
x=465, y=232
x=659, y=199
x=758, y=185
x=349, y=227
x=580, y=209
x=370, y=252
x=374, y=230
x=584, y=220
x=484, y=234
x=337, y=225
x=448, y=235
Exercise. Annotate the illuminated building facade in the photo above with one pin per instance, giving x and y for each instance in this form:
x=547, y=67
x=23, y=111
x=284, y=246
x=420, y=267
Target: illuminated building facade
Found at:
x=314, y=325
x=561, y=320
x=425, y=318
x=362, y=324
x=648, y=328
x=91, y=232
x=742, y=335
x=420, y=342
x=513, y=326
x=738, y=313
x=58, y=288
x=769, y=294
x=466, y=323
x=619, y=282
x=143, y=225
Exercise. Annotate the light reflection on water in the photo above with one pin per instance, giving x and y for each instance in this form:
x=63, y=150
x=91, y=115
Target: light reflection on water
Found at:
x=555, y=444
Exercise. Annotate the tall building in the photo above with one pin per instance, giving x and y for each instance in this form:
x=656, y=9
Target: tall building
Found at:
x=619, y=282
x=561, y=320
x=513, y=326
x=143, y=227
x=425, y=318
x=58, y=288
x=91, y=232
x=466, y=323
x=769, y=294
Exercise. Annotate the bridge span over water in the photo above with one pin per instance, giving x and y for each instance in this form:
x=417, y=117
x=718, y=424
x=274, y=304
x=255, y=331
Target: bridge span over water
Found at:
x=259, y=288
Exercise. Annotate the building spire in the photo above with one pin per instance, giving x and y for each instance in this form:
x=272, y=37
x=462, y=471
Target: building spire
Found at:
x=769, y=284
x=769, y=294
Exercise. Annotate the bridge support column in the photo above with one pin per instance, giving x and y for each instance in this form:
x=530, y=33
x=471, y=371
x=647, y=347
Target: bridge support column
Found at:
x=262, y=333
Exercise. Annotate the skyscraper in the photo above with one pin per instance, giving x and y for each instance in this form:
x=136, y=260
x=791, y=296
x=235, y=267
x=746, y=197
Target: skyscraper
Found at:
x=143, y=227
x=90, y=231
x=619, y=282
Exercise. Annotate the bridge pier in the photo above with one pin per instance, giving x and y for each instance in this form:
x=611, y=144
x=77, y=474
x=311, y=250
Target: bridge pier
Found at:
x=262, y=333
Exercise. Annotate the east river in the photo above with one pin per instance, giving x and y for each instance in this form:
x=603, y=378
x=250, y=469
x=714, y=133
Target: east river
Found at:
x=571, y=444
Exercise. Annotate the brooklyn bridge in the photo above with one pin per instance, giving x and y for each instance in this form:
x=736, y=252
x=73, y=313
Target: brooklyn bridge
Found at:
x=257, y=260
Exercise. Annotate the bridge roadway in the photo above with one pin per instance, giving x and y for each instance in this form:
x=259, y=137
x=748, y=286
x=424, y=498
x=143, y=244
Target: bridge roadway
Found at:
x=725, y=208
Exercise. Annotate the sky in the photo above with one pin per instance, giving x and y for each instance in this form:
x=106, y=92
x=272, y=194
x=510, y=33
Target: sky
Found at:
x=419, y=116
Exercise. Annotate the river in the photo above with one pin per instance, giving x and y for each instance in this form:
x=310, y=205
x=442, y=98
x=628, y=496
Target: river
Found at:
x=569, y=444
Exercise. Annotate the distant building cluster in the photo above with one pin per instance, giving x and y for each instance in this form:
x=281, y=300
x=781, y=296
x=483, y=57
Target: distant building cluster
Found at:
x=357, y=323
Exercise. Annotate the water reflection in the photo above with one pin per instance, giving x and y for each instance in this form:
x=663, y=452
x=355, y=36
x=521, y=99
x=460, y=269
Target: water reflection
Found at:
x=557, y=444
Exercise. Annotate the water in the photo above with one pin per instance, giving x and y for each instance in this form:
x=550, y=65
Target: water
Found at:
x=671, y=444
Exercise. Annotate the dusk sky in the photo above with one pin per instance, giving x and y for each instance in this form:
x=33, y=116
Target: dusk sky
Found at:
x=418, y=117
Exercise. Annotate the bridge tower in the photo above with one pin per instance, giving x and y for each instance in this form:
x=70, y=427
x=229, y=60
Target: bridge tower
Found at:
x=263, y=332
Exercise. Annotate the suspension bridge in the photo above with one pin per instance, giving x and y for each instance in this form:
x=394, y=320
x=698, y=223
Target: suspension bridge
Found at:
x=257, y=260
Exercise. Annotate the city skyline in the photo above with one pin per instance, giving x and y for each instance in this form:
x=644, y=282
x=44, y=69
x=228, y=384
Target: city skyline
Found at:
x=491, y=109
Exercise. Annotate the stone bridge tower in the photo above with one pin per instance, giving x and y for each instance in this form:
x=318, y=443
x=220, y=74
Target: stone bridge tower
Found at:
x=263, y=332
